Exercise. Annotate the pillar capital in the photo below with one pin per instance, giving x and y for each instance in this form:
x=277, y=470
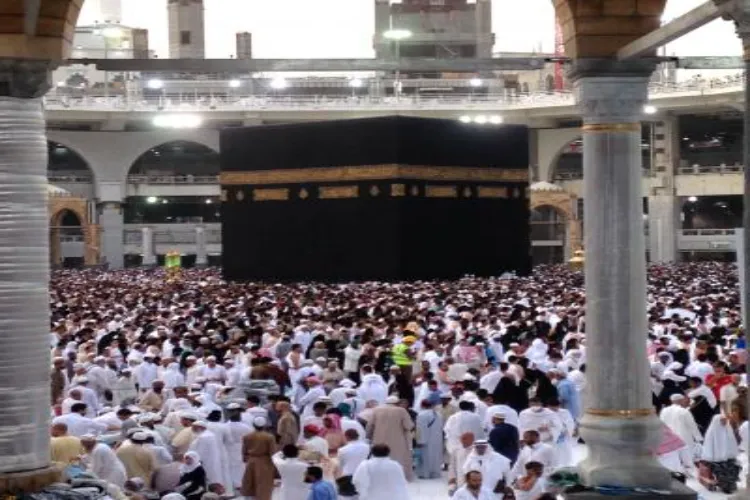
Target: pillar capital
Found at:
x=24, y=79
x=740, y=14
x=609, y=91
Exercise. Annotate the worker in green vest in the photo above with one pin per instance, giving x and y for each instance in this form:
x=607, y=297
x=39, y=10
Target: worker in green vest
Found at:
x=403, y=356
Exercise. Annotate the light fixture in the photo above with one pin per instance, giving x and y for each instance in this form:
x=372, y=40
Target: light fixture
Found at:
x=60, y=84
x=178, y=120
x=111, y=32
x=481, y=119
x=152, y=199
x=496, y=119
x=355, y=83
x=278, y=83
x=475, y=82
x=397, y=34
x=164, y=202
x=465, y=119
x=155, y=84
x=693, y=199
x=649, y=109
x=209, y=201
x=234, y=83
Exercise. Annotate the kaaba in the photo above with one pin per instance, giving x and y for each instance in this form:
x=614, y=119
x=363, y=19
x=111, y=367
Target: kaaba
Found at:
x=386, y=199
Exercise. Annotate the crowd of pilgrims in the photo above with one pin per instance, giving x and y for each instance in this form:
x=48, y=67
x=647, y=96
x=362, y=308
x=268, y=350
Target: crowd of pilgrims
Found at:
x=479, y=383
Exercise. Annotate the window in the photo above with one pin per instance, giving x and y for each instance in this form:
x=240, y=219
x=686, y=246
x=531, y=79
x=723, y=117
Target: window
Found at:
x=185, y=38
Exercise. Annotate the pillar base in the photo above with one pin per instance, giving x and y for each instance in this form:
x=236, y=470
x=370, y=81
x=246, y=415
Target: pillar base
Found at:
x=676, y=491
x=619, y=452
x=15, y=483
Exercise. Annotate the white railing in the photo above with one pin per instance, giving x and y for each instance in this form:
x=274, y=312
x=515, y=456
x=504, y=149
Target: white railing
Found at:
x=711, y=169
x=282, y=102
x=173, y=179
x=707, y=232
x=70, y=179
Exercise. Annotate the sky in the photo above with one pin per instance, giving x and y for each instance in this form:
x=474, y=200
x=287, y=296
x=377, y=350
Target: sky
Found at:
x=344, y=28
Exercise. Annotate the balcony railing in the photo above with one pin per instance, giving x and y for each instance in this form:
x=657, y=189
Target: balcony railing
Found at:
x=711, y=169
x=70, y=179
x=173, y=179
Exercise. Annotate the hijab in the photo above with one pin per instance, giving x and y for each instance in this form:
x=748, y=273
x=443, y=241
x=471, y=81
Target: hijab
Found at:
x=195, y=460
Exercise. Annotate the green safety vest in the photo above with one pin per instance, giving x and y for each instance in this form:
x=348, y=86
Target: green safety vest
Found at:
x=399, y=355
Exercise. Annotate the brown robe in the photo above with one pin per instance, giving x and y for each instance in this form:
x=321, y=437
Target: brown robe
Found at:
x=392, y=425
x=257, y=449
x=287, y=430
x=57, y=386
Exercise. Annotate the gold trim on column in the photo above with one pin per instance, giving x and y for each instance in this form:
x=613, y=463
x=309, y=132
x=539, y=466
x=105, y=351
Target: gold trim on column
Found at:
x=398, y=190
x=602, y=128
x=637, y=413
x=280, y=194
x=374, y=172
x=492, y=192
x=338, y=192
x=441, y=191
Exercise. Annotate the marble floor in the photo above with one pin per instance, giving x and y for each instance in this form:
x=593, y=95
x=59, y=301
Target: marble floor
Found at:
x=436, y=489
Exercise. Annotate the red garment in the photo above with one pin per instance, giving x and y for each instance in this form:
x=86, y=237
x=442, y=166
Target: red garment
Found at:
x=716, y=383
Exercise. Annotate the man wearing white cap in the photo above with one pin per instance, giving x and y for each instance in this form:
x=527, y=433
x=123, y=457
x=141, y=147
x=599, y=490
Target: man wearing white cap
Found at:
x=392, y=425
x=237, y=431
x=339, y=394
x=495, y=468
x=138, y=461
x=102, y=461
x=681, y=421
x=208, y=448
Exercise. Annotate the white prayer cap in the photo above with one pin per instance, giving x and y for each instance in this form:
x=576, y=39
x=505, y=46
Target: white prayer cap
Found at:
x=200, y=423
x=260, y=421
x=320, y=359
x=480, y=442
x=347, y=383
x=234, y=406
x=469, y=377
x=88, y=437
x=499, y=414
x=173, y=496
x=188, y=415
x=391, y=400
x=139, y=437
x=80, y=380
x=675, y=398
x=146, y=417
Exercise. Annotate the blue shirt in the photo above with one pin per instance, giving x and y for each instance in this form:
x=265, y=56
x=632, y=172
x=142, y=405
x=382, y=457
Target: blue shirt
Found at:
x=322, y=490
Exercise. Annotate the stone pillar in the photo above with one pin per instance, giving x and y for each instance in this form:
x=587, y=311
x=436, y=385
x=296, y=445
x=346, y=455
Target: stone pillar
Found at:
x=619, y=425
x=24, y=273
x=201, y=252
x=112, y=235
x=663, y=204
x=147, y=244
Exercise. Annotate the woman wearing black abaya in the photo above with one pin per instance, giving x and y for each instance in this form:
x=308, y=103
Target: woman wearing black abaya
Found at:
x=703, y=403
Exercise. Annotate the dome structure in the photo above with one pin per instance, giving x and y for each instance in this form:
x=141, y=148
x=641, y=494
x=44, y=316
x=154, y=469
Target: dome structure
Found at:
x=545, y=187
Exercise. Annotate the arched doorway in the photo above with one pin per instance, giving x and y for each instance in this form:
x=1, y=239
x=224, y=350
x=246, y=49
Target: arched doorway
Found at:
x=67, y=241
x=548, y=235
x=181, y=159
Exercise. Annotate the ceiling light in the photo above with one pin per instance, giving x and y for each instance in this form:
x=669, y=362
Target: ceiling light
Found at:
x=397, y=34
x=693, y=199
x=152, y=199
x=649, y=109
x=155, y=84
x=496, y=120
x=177, y=121
x=481, y=119
x=234, y=84
x=465, y=119
x=278, y=83
x=209, y=201
x=164, y=202
x=355, y=82
x=475, y=82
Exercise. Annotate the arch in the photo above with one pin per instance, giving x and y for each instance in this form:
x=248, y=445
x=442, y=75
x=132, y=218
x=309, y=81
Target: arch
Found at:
x=64, y=208
x=566, y=206
x=551, y=143
x=177, y=157
x=64, y=161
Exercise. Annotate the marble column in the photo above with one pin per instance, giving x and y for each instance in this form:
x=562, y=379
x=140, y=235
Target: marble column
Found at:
x=24, y=274
x=619, y=424
x=201, y=252
x=663, y=204
x=112, y=226
x=147, y=245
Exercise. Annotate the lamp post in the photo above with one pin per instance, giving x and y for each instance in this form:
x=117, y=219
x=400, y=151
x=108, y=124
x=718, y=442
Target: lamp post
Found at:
x=397, y=36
